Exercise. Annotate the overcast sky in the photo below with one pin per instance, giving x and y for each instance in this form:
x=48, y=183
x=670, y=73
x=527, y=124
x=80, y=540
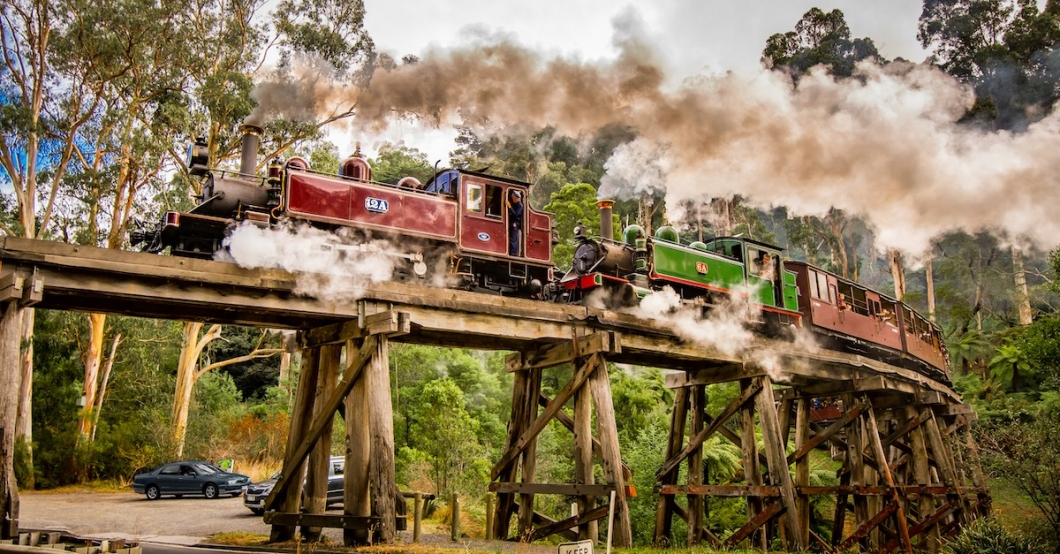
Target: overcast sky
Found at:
x=694, y=36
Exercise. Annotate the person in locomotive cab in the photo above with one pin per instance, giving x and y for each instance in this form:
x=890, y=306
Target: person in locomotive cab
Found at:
x=766, y=268
x=515, y=221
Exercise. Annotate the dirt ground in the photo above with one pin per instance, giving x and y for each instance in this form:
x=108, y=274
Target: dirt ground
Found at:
x=185, y=521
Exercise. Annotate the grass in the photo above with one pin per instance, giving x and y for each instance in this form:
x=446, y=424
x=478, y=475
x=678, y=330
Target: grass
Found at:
x=104, y=486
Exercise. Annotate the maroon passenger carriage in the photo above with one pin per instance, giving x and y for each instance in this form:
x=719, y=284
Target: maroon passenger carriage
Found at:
x=854, y=318
x=459, y=217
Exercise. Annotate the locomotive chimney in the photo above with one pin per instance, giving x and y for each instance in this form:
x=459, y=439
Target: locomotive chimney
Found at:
x=607, y=231
x=251, y=140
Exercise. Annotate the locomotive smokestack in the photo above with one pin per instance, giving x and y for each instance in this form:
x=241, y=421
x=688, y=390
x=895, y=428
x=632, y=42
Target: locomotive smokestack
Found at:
x=607, y=231
x=251, y=140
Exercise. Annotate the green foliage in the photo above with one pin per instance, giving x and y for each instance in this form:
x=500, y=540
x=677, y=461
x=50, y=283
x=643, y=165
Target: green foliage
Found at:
x=1007, y=365
x=575, y=204
x=819, y=38
x=456, y=457
x=1005, y=49
x=332, y=31
x=1025, y=450
x=251, y=377
x=395, y=162
x=987, y=536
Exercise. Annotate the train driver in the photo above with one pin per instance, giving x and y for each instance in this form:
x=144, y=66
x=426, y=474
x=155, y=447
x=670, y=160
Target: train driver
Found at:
x=515, y=221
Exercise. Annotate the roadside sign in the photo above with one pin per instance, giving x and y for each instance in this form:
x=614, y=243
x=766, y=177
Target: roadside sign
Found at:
x=580, y=547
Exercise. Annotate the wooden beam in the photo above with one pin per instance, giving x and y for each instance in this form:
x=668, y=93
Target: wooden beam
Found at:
x=298, y=455
x=828, y=433
x=732, y=491
x=287, y=493
x=356, y=499
x=320, y=520
x=564, y=525
x=551, y=355
x=316, y=485
x=568, y=422
x=703, y=435
x=899, y=512
x=778, y=464
x=549, y=412
x=529, y=465
x=607, y=431
x=771, y=510
x=867, y=527
x=389, y=322
x=568, y=489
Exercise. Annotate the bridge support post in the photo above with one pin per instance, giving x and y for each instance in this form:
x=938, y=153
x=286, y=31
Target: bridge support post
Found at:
x=370, y=430
x=290, y=500
x=513, y=474
x=356, y=499
x=316, y=484
x=10, y=323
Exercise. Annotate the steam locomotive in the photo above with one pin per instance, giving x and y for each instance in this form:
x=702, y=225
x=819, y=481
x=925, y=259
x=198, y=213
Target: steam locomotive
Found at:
x=469, y=226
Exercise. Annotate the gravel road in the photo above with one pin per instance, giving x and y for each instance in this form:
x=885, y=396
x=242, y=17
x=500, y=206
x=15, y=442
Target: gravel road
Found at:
x=185, y=521
x=127, y=515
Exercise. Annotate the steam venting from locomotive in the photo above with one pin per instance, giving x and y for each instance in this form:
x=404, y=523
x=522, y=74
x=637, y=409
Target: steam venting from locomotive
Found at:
x=875, y=145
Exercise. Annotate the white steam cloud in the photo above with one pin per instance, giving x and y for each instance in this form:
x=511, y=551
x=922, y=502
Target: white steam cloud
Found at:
x=328, y=265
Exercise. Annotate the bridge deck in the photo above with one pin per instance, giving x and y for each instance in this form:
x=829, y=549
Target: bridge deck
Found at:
x=82, y=278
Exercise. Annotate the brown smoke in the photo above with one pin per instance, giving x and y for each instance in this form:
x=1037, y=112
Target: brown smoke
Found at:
x=884, y=144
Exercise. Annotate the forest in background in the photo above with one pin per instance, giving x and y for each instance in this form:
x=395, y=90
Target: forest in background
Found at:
x=93, y=128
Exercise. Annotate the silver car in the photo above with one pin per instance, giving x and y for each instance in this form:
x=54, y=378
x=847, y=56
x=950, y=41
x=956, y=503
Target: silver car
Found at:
x=258, y=492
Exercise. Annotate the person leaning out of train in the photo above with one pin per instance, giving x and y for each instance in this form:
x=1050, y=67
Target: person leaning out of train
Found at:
x=765, y=267
x=515, y=221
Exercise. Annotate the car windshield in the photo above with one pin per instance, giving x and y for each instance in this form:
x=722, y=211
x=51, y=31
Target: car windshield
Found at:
x=206, y=469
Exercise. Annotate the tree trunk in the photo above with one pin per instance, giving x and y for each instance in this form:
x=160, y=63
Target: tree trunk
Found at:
x=96, y=326
x=24, y=423
x=898, y=273
x=103, y=385
x=929, y=276
x=1022, y=294
x=10, y=327
x=187, y=367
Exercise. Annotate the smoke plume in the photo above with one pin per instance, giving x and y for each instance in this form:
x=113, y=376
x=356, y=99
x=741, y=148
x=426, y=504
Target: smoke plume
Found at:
x=885, y=144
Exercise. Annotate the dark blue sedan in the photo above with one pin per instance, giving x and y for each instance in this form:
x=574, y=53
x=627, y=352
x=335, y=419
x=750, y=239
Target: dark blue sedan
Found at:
x=192, y=477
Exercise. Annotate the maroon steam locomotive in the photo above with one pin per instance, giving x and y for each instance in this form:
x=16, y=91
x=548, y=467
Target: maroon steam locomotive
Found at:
x=471, y=226
x=470, y=221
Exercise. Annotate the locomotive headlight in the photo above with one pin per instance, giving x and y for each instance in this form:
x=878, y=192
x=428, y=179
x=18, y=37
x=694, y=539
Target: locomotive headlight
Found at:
x=198, y=158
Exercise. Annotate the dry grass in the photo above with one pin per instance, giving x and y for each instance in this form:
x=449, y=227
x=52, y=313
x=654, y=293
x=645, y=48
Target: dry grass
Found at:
x=239, y=538
x=106, y=486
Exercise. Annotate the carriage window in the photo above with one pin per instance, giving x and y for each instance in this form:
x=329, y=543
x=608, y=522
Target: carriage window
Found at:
x=812, y=277
x=474, y=198
x=494, y=201
x=822, y=286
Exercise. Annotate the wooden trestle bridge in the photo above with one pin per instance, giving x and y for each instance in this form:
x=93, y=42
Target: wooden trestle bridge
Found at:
x=910, y=472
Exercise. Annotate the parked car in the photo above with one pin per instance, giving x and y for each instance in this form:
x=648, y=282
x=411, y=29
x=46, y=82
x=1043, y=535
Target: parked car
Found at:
x=191, y=477
x=258, y=492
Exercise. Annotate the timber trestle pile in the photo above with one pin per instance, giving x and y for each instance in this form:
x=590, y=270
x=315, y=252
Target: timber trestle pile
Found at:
x=909, y=468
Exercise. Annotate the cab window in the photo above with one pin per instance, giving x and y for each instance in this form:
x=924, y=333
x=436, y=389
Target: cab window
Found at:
x=474, y=198
x=494, y=201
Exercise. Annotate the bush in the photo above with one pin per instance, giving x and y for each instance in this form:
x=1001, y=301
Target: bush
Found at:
x=987, y=536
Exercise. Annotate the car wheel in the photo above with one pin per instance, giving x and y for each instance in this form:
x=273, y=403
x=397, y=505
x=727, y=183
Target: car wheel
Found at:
x=258, y=511
x=153, y=493
x=178, y=496
x=210, y=490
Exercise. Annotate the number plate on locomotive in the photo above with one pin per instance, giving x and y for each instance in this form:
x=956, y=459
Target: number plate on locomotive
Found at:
x=376, y=205
x=701, y=267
